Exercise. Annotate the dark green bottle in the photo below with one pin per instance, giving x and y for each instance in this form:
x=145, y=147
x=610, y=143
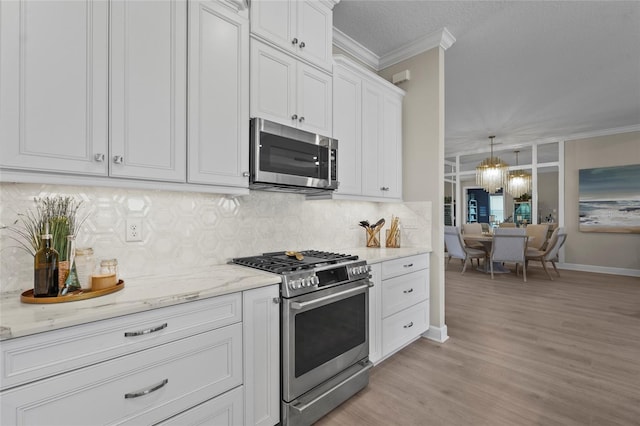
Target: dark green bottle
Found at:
x=45, y=264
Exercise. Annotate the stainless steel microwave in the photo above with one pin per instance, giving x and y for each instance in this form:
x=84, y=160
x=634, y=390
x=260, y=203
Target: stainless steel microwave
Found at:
x=287, y=159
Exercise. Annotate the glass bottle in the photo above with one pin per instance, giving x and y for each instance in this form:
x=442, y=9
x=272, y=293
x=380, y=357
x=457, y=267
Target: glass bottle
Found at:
x=45, y=264
x=71, y=282
x=85, y=265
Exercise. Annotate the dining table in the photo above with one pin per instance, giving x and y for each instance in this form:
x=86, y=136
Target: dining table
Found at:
x=486, y=239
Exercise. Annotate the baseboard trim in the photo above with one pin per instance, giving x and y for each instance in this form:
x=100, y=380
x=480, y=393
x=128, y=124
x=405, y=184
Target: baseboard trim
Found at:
x=438, y=334
x=599, y=269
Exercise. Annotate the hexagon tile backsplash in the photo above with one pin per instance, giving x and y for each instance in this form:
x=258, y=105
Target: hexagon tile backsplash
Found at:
x=183, y=229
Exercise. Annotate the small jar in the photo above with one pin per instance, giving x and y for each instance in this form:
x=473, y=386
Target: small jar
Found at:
x=85, y=265
x=109, y=266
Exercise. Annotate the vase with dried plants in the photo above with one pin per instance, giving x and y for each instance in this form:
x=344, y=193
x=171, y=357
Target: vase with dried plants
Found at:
x=60, y=214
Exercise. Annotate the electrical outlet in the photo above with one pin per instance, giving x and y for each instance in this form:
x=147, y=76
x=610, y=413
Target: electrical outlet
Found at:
x=133, y=229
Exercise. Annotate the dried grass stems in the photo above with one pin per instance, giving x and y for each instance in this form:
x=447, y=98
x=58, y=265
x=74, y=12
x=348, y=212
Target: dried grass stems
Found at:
x=61, y=213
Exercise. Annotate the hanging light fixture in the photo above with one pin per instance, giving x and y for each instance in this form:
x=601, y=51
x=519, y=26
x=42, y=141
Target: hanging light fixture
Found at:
x=519, y=182
x=491, y=174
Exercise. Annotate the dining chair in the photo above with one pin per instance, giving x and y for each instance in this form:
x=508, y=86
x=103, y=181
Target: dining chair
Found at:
x=456, y=248
x=550, y=254
x=537, y=235
x=507, y=225
x=473, y=229
x=509, y=245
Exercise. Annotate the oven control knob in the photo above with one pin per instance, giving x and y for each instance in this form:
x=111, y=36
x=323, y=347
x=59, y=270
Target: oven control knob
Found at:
x=361, y=269
x=315, y=280
x=354, y=270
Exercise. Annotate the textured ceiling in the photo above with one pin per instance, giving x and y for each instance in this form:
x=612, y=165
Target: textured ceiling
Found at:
x=521, y=70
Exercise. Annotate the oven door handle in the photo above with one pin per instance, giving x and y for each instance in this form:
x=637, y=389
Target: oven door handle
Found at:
x=301, y=305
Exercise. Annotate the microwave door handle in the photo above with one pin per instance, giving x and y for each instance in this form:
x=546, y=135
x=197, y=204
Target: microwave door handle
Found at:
x=296, y=306
x=329, y=164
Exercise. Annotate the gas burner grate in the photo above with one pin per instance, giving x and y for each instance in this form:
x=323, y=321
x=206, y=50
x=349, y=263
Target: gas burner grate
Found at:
x=279, y=262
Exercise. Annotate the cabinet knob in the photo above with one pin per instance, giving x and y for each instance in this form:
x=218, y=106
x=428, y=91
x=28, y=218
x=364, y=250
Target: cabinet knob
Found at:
x=301, y=119
x=99, y=158
x=294, y=41
x=302, y=45
x=294, y=117
x=118, y=159
x=246, y=174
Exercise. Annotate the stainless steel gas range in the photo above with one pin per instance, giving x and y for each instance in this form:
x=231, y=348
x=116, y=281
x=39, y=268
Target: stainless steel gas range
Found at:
x=324, y=329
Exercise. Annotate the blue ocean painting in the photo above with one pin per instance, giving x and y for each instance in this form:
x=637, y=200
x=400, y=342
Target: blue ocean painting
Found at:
x=609, y=199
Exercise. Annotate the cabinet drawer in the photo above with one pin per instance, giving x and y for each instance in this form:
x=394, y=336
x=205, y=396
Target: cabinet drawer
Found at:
x=29, y=358
x=405, y=265
x=141, y=388
x=403, y=327
x=406, y=290
x=224, y=410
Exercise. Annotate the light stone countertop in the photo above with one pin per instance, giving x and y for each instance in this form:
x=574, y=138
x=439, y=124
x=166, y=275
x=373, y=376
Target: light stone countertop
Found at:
x=142, y=293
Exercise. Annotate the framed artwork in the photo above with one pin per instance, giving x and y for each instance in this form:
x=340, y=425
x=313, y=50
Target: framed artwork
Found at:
x=609, y=199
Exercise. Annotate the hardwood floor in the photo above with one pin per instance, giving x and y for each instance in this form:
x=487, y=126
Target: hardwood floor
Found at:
x=563, y=352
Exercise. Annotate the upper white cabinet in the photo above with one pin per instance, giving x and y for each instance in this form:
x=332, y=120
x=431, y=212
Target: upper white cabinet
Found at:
x=289, y=91
x=218, y=95
x=148, y=89
x=301, y=27
x=54, y=84
x=367, y=121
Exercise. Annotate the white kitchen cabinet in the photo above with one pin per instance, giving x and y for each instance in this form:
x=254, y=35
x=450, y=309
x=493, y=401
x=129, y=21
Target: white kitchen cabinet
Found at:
x=224, y=410
x=398, y=304
x=54, y=83
x=381, y=142
x=301, y=27
x=148, y=89
x=262, y=356
x=375, y=314
x=347, y=128
x=288, y=91
x=218, y=95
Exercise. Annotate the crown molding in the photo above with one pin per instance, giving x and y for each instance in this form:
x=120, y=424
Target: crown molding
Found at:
x=441, y=38
x=355, y=49
x=603, y=132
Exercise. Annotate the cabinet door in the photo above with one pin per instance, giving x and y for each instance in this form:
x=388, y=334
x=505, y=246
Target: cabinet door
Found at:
x=375, y=314
x=54, y=84
x=314, y=30
x=273, y=76
x=391, y=149
x=262, y=356
x=218, y=95
x=347, y=128
x=224, y=410
x=274, y=20
x=372, y=107
x=148, y=89
x=315, y=100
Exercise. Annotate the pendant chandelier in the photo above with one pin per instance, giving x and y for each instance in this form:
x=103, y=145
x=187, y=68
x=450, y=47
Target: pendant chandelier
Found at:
x=519, y=182
x=491, y=174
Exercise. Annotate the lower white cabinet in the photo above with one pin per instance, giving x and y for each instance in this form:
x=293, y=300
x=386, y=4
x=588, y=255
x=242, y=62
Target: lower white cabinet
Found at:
x=141, y=388
x=262, y=356
x=398, y=304
x=224, y=410
x=214, y=361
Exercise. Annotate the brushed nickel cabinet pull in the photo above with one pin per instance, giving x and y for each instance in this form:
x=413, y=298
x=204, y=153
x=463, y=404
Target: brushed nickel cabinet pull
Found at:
x=147, y=331
x=408, y=291
x=146, y=391
x=409, y=265
x=409, y=325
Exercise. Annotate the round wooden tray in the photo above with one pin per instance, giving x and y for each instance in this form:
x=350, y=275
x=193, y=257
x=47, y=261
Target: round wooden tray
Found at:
x=27, y=296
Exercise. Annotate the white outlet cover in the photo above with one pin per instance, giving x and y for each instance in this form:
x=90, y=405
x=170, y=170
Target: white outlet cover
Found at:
x=133, y=229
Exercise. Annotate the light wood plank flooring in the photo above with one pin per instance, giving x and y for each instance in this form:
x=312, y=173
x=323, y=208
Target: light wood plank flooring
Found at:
x=563, y=352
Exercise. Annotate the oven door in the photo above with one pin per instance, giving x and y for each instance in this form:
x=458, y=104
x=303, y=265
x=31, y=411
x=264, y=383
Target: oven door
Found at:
x=323, y=333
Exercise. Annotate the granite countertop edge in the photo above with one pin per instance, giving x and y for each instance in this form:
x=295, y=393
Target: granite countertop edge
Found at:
x=146, y=292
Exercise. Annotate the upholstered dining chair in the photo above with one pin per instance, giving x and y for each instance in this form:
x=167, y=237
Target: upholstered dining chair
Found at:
x=537, y=235
x=509, y=245
x=550, y=253
x=473, y=229
x=456, y=248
